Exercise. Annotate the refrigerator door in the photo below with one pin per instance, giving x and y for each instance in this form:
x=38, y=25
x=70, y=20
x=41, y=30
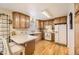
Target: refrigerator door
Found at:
x=62, y=34
x=56, y=33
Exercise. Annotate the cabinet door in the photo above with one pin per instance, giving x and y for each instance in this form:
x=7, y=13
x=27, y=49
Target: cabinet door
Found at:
x=27, y=22
x=42, y=25
x=39, y=24
x=16, y=22
x=60, y=20
x=62, y=34
x=56, y=21
x=76, y=7
x=63, y=20
x=22, y=21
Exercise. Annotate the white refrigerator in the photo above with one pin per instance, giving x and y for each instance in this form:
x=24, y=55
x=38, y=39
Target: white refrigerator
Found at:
x=61, y=34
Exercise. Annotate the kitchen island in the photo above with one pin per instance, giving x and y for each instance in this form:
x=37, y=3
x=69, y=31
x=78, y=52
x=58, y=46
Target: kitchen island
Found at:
x=27, y=41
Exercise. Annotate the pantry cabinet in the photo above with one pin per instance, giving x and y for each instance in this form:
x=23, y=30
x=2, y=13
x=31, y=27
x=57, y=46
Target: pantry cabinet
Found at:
x=20, y=21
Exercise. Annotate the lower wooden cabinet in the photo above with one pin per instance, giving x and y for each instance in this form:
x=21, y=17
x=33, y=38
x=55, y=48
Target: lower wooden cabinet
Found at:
x=29, y=49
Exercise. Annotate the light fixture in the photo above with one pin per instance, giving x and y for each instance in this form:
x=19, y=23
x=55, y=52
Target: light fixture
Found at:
x=46, y=13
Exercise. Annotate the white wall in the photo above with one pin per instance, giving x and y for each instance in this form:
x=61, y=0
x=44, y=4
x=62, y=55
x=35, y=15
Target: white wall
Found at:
x=18, y=31
x=9, y=12
x=71, y=39
x=33, y=23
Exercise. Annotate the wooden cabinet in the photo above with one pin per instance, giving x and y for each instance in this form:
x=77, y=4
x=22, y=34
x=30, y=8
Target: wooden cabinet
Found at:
x=76, y=8
x=60, y=20
x=77, y=29
x=50, y=22
x=20, y=21
x=56, y=21
x=40, y=24
x=43, y=23
x=63, y=19
x=29, y=49
x=16, y=18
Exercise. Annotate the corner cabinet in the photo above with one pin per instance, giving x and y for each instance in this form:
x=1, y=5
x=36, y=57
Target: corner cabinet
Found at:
x=20, y=21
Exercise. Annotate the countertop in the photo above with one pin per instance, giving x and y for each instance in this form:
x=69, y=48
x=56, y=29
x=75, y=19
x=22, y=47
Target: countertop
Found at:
x=21, y=39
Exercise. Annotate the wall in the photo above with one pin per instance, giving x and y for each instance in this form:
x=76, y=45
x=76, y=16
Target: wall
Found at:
x=71, y=40
x=33, y=25
x=9, y=12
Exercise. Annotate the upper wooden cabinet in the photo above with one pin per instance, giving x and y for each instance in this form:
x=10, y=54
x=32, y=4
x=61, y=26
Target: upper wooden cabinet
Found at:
x=76, y=8
x=40, y=24
x=60, y=20
x=57, y=20
x=43, y=23
x=20, y=21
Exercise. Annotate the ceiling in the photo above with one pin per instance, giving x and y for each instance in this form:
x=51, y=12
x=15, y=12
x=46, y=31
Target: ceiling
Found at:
x=34, y=9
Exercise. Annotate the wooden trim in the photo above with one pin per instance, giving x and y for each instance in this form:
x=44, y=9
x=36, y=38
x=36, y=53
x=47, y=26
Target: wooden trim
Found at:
x=60, y=23
x=61, y=44
x=20, y=13
x=52, y=18
x=13, y=21
x=60, y=17
x=67, y=34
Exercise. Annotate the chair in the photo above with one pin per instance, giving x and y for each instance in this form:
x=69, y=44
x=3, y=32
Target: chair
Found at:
x=12, y=48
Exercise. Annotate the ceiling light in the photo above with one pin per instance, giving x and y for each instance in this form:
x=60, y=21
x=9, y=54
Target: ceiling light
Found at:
x=46, y=13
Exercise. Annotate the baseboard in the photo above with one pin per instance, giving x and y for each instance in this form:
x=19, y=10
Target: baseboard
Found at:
x=61, y=44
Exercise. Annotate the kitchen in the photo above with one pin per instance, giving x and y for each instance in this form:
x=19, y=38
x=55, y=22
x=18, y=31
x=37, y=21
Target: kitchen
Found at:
x=35, y=33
